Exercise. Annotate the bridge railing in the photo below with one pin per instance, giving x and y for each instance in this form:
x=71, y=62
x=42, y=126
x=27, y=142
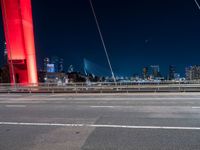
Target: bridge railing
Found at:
x=103, y=87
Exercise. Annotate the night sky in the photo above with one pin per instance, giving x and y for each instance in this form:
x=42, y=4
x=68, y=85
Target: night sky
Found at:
x=137, y=33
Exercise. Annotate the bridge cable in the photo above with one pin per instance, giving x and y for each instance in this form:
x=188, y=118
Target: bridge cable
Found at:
x=197, y=4
x=102, y=40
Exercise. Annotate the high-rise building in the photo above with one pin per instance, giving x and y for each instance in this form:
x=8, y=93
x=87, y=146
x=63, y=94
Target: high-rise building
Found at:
x=155, y=71
x=61, y=67
x=193, y=72
x=46, y=62
x=58, y=63
x=177, y=76
x=145, y=72
x=55, y=61
x=5, y=60
x=172, y=72
x=53, y=65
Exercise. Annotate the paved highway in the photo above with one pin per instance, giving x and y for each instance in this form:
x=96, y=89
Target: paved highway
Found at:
x=168, y=121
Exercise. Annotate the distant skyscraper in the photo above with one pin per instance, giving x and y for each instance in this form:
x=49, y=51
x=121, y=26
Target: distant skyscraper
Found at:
x=177, y=76
x=145, y=72
x=188, y=73
x=5, y=59
x=55, y=61
x=172, y=72
x=193, y=72
x=58, y=63
x=46, y=62
x=155, y=71
x=61, y=67
x=55, y=64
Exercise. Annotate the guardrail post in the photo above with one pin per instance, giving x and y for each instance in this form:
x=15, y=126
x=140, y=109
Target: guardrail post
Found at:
x=76, y=88
x=48, y=87
x=139, y=86
x=29, y=89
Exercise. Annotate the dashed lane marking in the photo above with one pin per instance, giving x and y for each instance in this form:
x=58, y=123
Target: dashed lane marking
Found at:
x=15, y=106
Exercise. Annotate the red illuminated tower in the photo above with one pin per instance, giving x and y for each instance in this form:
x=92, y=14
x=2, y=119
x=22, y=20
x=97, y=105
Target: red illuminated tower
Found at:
x=18, y=28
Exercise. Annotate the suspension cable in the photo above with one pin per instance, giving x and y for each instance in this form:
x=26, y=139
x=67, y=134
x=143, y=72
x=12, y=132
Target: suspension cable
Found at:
x=197, y=4
x=102, y=40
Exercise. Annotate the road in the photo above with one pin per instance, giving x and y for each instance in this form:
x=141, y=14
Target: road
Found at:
x=146, y=121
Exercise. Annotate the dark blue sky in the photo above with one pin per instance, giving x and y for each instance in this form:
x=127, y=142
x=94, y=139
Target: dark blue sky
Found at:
x=137, y=33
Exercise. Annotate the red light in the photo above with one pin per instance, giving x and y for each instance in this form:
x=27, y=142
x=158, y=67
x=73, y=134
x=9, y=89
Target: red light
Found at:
x=18, y=28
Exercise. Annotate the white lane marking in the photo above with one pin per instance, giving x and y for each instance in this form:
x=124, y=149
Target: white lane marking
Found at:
x=133, y=98
x=16, y=106
x=102, y=106
x=105, y=99
x=195, y=107
x=100, y=126
x=111, y=106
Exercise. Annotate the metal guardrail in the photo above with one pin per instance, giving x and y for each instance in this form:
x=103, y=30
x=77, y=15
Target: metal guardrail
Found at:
x=103, y=87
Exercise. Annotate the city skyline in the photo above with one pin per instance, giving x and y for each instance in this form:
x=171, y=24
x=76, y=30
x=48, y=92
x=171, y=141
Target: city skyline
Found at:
x=137, y=34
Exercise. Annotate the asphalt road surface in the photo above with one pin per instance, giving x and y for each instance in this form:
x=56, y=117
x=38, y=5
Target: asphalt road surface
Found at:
x=168, y=121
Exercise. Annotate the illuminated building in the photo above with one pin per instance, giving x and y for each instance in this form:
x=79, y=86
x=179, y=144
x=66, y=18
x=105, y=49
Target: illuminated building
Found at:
x=50, y=68
x=155, y=71
x=46, y=62
x=145, y=72
x=193, y=72
x=172, y=72
x=58, y=63
x=5, y=55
